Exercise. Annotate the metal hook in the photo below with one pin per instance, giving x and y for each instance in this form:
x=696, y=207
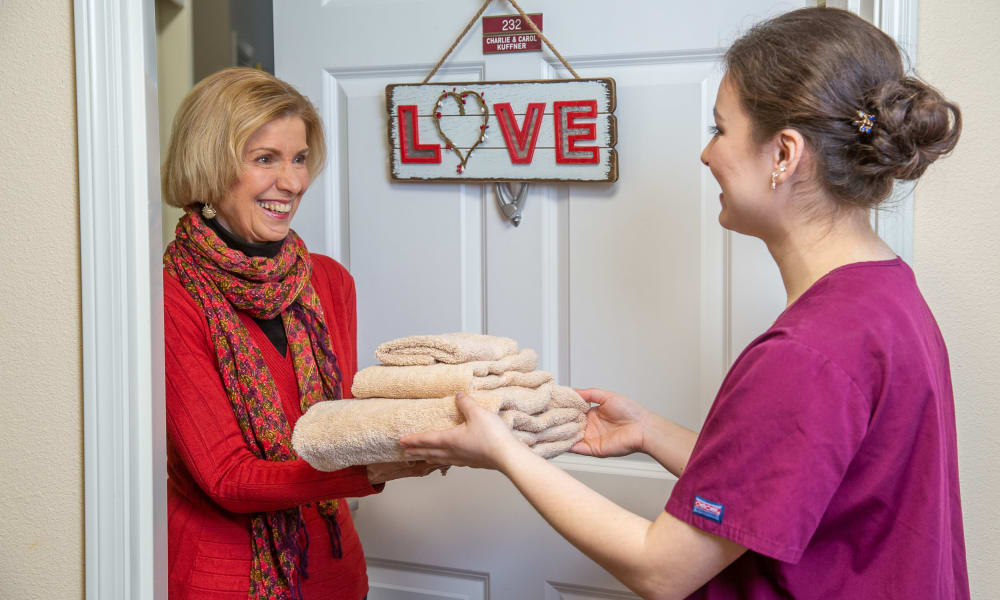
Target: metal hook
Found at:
x=510, y=204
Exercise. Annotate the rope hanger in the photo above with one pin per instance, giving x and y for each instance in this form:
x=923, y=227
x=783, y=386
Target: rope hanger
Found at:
x=475, y=18
x=509, y=203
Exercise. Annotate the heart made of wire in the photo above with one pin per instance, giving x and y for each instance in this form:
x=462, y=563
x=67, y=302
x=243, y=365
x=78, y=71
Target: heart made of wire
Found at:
x=459, y=98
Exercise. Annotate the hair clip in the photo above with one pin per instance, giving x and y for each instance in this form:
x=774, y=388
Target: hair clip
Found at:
x=865, y=122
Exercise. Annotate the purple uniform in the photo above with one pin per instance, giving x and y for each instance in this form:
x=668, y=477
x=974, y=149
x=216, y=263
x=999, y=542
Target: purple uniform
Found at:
x=830, y=450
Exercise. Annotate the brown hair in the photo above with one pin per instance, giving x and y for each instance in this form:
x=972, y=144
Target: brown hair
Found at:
x=811, y=70
x=213, y=125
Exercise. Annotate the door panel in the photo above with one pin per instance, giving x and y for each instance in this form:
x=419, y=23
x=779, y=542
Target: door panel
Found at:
x=631, y=286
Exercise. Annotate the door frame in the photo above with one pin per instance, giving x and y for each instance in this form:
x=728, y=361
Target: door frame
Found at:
x=124, y=439
x=125, y=513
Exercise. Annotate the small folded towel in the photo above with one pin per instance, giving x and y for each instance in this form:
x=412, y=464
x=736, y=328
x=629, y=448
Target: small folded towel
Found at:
x=552, y=417
x=451, y=348
x=438, y=380
x=553, y=434
x=566, y=397
x=552, y=449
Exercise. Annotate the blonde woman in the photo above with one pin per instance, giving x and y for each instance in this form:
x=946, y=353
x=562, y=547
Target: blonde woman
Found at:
x=257, y=329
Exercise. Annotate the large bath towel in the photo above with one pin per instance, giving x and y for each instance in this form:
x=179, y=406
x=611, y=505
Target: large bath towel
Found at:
x=451, y=348
x=335, y=434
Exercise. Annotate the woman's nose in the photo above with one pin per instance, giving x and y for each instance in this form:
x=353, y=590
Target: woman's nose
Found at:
x=288, y=179
x=704, y=152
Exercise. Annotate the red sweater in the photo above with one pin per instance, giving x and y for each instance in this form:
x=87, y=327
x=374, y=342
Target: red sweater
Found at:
x=215, y=482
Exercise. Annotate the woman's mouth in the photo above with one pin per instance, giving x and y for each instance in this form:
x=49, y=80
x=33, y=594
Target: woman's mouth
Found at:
x=278, y=210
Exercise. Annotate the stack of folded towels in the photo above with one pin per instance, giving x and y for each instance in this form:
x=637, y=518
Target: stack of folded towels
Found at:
x=414, y=389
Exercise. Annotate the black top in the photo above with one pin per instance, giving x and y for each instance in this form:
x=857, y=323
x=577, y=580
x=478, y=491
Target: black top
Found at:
x=274, y=329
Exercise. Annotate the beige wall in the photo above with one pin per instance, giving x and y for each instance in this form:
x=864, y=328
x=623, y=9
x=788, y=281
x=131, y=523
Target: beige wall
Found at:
x=41, y=439
x=175, y=75
x=957, y=257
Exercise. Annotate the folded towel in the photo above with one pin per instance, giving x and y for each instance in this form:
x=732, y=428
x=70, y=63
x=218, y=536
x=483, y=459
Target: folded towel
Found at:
x=553, y=434
x=524, y=361
x=552, y=417
x=437, y=380
x=530, y=401
x=451, y=348
x=336, y=434
x=552, y=449
x=566, y=397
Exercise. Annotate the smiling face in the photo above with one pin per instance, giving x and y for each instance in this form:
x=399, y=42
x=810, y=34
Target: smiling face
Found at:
x=741, y=166
x=259, y=206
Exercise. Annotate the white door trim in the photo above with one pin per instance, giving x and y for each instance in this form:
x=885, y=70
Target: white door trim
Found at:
x=124, y=436
x=898, y=18
x=124, y=442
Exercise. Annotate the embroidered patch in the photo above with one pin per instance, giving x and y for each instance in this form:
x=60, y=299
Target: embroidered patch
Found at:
x=707, y=509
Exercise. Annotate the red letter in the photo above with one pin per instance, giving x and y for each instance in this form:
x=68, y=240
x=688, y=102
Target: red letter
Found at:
x=410, y=149
x=569, y=132
x=518, y=147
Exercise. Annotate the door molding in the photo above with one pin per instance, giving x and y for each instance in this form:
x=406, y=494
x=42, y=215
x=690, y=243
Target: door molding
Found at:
x=124, y=440
x=898, y=18
x=121, y=295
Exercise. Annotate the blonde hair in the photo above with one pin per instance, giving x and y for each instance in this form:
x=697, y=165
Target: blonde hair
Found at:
x=213, y=125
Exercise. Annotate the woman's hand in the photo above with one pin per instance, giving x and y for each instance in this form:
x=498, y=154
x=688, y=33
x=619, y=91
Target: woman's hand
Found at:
x=383, y=472
x=481, y=442
x=614, y=426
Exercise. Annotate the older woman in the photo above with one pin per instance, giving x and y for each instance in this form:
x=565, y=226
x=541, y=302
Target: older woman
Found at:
x=257, y=329
x=827, y=465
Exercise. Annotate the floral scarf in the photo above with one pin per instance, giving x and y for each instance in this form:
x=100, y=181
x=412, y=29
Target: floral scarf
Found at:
x=223, y=280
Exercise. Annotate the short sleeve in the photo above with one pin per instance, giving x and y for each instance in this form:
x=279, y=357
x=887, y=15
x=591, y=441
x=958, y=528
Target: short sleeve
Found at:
x=774, y=448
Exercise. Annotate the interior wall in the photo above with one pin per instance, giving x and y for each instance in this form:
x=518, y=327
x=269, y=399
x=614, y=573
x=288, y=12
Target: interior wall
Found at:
x=175, y=77
x=41, y=431
x=957, y=257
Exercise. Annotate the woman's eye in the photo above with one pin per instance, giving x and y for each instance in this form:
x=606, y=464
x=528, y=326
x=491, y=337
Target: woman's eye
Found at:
x=263, y=159
x=300, y=159
x=714, y=130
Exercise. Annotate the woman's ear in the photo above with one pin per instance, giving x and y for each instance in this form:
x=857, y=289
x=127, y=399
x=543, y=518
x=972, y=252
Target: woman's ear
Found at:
x=789, y=148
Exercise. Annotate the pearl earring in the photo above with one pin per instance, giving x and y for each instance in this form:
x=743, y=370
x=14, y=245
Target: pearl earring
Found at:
x=208, y=211
x=774, y=177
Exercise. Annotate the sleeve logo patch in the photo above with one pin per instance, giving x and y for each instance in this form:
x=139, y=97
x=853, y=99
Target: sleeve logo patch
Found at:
x=708, y=509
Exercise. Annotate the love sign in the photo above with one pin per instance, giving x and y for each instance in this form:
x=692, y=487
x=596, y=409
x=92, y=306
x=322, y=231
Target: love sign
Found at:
x=554, y=130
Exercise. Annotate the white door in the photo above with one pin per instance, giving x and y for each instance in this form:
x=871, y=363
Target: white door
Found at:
x=631, y=286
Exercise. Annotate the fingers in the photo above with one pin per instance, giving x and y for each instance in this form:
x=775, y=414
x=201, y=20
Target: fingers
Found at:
x=595, y=395
x=427, y=439
x=468, y=406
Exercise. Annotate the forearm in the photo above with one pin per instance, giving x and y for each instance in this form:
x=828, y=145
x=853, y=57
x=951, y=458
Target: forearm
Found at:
x=611, y=536
x=667, y=442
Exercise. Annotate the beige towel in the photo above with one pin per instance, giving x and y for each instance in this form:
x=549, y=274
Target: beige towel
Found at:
x=438, y=380
x=336, y=434
x=451, y=348
x=553, y=449
x=566, y=397
x=552, y=417
x=556, y=433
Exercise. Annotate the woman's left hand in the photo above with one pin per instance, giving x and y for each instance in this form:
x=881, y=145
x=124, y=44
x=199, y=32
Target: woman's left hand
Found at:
x=481, y=442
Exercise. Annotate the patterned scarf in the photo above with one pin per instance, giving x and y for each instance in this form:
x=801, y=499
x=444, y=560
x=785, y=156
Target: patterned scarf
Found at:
x=222, y=281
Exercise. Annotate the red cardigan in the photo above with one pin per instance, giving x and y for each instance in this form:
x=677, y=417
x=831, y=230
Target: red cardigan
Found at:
x=214, y=481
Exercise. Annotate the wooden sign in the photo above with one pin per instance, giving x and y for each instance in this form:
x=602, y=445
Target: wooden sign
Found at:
x=504, y=34
x=554, y=130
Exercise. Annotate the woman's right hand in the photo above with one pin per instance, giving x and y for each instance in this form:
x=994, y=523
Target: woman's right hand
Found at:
x=383, y=472
x=614, y=426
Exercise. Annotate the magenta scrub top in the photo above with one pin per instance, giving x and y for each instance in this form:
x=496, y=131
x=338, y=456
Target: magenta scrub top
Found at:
x=830, y=450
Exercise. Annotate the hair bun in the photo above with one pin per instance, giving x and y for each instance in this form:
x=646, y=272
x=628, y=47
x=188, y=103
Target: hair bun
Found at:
x=915, y=127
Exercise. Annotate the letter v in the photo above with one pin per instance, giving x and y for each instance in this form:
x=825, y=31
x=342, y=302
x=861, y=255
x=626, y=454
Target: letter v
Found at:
x=518, y=146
